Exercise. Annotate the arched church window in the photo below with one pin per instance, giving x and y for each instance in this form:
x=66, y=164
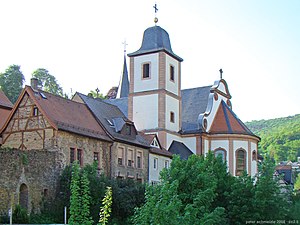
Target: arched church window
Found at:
x=240, y=161
x=254, y=155
x=23, y=197
x=220, y=152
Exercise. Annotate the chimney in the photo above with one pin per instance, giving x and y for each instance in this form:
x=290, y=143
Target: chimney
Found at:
x=34, y=83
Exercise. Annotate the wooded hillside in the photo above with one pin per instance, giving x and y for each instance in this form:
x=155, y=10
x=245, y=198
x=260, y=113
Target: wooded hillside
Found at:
x=279, y=137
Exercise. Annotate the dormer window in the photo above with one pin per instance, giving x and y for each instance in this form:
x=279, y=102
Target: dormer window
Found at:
x=128, y=129
x=110, y=122
x=172, y=73
x=155, y=143
x=146, y=70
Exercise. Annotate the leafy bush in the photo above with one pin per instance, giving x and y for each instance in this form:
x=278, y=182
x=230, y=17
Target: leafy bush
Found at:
x=20, y=215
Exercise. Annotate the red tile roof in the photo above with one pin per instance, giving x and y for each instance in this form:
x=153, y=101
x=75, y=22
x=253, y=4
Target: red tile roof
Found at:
x=65, y=114
x=4, y=101
x=226, y=122
x=5, y=108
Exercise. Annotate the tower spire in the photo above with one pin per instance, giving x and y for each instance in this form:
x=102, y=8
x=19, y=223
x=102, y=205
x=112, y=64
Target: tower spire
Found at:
x=124, y=91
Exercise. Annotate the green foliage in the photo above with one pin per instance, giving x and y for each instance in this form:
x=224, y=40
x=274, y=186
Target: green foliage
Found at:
x=279, y=137
x=75, y=200
x=270, y=203
x=24, y=159
x=20, y=215
x=11, y=82
x=297, y=183
x=47, y=81
x=80, y=197
x=95, y=94
x=85, y=199
x=241, y=204
x=201, y=191
x=127, y=194
x=105, y=209
x=186, y=194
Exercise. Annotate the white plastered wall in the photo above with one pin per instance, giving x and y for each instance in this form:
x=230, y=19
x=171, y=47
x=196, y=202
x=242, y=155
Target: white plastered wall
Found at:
x=172, y=86
x=172, y=105
x=154, y=173
x=190, y=142
x=146, y=84
x=145, y=111
x=224, y=144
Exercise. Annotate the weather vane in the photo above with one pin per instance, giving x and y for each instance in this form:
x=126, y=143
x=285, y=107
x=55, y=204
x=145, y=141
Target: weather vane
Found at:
x=155, y=9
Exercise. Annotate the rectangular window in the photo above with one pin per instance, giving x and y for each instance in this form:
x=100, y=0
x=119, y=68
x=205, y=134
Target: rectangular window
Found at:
x=80, y=157
x=35, y=111
x=139, y=160
x=120, y=156
x=167, y=164
x=72, y=155
x=146, y=70
x=155, y=162
x=172, y=117
x=130, y=158
x=172, y=73
x=96, y=156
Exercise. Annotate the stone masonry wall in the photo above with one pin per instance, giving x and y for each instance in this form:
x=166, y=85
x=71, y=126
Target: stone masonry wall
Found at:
x=36, y=169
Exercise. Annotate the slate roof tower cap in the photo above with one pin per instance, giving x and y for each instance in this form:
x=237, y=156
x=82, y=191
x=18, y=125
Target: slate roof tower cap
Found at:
x=155, y=39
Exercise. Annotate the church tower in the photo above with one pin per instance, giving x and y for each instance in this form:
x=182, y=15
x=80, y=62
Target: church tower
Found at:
x=155, y=86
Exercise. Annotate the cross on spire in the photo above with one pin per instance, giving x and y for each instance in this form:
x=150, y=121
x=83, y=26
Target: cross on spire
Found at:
x=124, y=43
x=155, y=8
x=221, y=73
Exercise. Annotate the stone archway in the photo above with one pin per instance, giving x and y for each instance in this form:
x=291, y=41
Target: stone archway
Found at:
x=23, y=196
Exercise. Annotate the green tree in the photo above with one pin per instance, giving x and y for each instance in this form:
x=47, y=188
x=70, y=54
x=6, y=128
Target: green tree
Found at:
x=186, y=194
x=297, y=183
x=11, y=82
x=47, y=81
x=105, y=209
x=85, y=199
x=96, y=94
x=240, y=200
x=271, y=202
x=75, y=199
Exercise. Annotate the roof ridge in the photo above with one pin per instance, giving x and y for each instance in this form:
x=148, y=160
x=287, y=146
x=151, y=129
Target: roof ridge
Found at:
x=197, y=87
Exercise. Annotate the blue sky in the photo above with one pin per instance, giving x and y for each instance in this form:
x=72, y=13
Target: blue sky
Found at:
x=256, y=43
